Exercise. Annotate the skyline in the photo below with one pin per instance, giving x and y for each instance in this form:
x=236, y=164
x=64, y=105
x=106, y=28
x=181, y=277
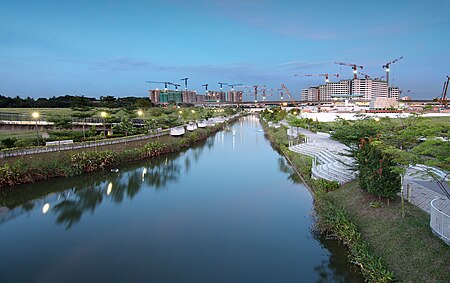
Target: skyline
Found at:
x=113, y=47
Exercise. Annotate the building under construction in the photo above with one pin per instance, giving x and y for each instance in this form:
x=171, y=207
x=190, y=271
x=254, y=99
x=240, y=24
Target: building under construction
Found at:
x=364, y=89
x=165, y=96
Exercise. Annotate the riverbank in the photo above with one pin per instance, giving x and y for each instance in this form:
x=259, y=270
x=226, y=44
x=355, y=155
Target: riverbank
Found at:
x=404, y=246
x=28, y=169
x=332, y=220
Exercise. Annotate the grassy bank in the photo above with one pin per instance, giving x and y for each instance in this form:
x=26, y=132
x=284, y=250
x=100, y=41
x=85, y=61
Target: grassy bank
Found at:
x=407, y=245
x=383, y=244
x=34, y=168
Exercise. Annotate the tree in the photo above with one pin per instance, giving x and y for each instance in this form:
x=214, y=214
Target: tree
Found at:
x=125, y=126
x=83, y=113
x=60, y=122
x=375, y=170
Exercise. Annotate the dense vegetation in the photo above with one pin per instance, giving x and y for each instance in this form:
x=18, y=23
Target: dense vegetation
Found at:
x=67, y=101
x=353, y=215
x=66, y=165
x=122, y=121
x=333, y=221
x=384, y=148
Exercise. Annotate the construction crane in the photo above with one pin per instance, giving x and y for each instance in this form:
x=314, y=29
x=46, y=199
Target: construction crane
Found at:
x=320, y=75
x=185, y=83
x=165, y=83
x=378, y=79
x=175, y=85
x=233, y=85
x=387, y=67
x=221, y=89
x=288, y=93
x=206, y=87
x=443, y=99
x=365, y=75
x=221, y=85
x=354, y=67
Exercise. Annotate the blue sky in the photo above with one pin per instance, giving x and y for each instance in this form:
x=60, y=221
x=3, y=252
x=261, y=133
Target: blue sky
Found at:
x=97, y=48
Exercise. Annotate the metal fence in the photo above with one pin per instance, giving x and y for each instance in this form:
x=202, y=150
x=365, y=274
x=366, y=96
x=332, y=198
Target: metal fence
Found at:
x=439, y=221
x=42, y=149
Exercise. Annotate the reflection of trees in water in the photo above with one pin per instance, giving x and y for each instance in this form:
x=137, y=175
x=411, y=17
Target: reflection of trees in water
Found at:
x=72, y=197
x=125, y=184
x=70, y=209
x=336, y=268
x=286, y=168
x=160, y=175
x=187, y=164
x=197, y=152
x=210, y=142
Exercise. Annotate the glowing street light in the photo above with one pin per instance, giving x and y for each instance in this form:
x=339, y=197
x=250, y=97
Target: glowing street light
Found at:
x=140, y=112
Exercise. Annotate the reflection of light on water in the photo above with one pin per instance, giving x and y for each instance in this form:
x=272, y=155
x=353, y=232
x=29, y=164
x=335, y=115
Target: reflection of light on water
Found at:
x=45, y=208
x=109, y=189
x=144, y=172
x=223, y=138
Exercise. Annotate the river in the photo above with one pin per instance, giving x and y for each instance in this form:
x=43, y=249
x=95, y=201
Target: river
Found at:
x=227, y=210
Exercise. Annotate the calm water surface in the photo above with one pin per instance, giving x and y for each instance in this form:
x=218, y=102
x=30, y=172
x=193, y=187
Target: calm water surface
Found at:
x=227, y=210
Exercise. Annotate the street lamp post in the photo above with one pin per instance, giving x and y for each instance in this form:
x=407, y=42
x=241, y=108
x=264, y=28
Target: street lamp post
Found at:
x=35, y=116
x=104, y=115
x=141, y=114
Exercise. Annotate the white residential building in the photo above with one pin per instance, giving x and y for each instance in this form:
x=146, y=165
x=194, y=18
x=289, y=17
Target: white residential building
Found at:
x=313, y=94
x=379, y=89
x=304, y=95
x=394, y=92
x=362, y=87
x=336, y=89
x=323, y=93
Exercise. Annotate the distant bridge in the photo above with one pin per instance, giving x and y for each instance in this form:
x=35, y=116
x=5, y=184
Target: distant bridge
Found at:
x=295, y=103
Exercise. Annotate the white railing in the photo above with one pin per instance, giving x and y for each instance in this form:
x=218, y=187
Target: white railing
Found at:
x=439, y=222
x=78, y=145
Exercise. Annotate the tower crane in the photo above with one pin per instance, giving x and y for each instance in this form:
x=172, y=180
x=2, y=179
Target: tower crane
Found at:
x=365, y=75
x=320, y=75
x=165, y=83
x=233, y=85
x=379, y=78
x=185, y=83
x=221, y=89
x=354, y=67
x=175, y=85
x=206, y=87
x=387, y=65
x=443, y=99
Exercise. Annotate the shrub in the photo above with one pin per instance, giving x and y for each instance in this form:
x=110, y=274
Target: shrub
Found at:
x=26, y=142
x=88, y=161
x=10, y=174
x=375, y=173
x=9, y=142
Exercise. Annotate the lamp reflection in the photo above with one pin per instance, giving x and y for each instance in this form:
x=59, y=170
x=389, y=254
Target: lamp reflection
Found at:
x=144, y=172
x=109, y=189
x=45, y=208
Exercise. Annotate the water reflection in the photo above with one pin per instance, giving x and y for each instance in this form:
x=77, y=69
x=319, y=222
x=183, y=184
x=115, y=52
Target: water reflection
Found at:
x=335, y=267
x=285, y=167
x=258, y=222
x=71, y=198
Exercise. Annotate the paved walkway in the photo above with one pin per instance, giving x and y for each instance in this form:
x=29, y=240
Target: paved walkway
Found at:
x=423, y=190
